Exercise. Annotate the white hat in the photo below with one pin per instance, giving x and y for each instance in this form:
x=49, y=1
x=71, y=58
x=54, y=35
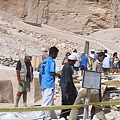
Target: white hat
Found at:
x=92, y=50
x=72, y=57
x=82, y=52
x=92, y=56
x=28, y=55
x=44, y=49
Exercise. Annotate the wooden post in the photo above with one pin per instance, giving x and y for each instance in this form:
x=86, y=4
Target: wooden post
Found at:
x=86, y=108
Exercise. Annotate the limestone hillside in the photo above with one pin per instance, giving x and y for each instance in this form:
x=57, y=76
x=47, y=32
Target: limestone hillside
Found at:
x=79, y=16
x=18, y=38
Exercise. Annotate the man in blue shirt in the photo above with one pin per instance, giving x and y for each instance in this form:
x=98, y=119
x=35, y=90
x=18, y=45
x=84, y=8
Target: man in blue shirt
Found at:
x=47, y=82
x=83, y=62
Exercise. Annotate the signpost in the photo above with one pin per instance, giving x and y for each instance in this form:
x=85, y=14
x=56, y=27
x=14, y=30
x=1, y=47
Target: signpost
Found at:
x=86, y=48
x=91, y=80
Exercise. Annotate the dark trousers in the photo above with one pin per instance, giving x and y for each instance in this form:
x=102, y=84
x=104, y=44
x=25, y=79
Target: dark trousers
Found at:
x=67, y=99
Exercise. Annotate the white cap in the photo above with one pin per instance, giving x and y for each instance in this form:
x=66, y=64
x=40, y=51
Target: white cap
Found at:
x=44, y=49
x=92, y=56
x=82, y=52
x=27, y=55
x=92, y=50
x=72, y=57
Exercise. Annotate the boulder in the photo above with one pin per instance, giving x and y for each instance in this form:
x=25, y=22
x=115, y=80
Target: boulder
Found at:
x=9, y=88
x=6, y=92
x=6, y=63
x=101, y=13
x=9, y=59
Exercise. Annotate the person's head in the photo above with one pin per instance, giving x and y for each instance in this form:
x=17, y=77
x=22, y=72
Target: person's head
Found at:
x=72, y=59
x=53, y=52
x=68, y=53
x=101, y=56
x=105, y=51
x=91, y=57
x=75, y=50
x=27, y=57
x=115, y=54
x=83, y=53
x=92, y=51
x=44, y=50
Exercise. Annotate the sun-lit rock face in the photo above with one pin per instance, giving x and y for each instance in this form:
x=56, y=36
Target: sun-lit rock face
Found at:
x=78, y=16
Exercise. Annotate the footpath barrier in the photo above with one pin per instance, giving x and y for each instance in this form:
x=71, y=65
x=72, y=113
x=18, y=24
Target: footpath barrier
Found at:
x=26, y=109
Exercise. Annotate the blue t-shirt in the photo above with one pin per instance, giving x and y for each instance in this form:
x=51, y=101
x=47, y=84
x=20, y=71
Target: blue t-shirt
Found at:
x=84, y=61
x=46, y=68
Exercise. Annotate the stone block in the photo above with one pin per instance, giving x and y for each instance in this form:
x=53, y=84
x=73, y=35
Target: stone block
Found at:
x=37, y=90
x=6, y=92
x=9, y=88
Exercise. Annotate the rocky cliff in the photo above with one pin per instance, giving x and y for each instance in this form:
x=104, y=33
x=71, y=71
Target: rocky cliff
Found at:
x=78, y=16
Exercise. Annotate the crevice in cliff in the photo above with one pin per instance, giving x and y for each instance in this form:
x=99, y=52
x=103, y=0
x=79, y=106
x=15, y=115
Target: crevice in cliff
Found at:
x=45, y=13
x=37, y=11
x=115, y=13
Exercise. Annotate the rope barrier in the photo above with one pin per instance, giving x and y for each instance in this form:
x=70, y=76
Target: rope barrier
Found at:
x=25, y=109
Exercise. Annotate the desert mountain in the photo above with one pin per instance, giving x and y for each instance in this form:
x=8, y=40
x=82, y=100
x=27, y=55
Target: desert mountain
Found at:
x=18, y=38
x=78, y=16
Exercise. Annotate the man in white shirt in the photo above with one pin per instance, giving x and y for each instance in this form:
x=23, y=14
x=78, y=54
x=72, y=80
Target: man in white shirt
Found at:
x=106, y=63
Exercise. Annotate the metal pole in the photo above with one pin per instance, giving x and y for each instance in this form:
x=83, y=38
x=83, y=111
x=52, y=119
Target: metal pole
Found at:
x=86, y=48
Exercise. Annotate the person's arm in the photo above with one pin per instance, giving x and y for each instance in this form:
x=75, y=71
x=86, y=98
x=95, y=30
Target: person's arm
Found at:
x=113, y=60
x=94, y=66
x=52, y=69
x=55, y=74
x=18, y=77
x=18, y=68
x=41, y=60
x=80, y=61
x=40, y=77
x=38, y=68
x=64, y=60
x=88, y=62
x=68, y=80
